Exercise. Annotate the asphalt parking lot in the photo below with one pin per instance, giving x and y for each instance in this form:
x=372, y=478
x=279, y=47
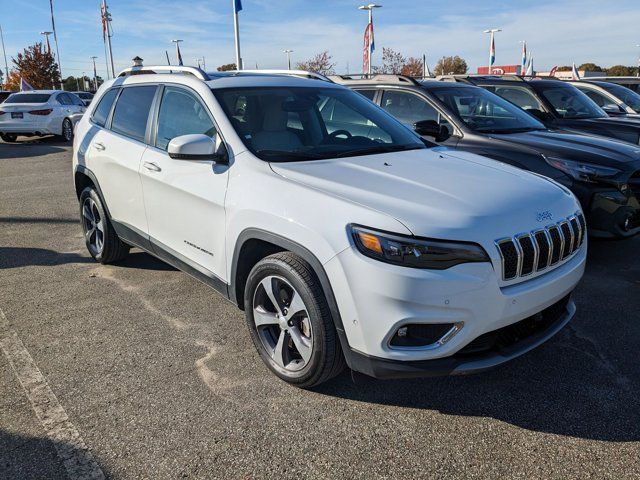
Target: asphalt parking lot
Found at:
x=139, y=371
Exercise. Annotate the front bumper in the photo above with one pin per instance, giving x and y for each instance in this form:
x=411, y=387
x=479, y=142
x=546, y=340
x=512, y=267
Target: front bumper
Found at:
x=611, y=214
x=375, y=299
x=488, y=351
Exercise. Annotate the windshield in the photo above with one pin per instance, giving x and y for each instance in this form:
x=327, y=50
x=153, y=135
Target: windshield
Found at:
x=85, y=95
x=485, y=112
x=570, y=103
x=303, y=123
x=28, y=98
x=629, y=97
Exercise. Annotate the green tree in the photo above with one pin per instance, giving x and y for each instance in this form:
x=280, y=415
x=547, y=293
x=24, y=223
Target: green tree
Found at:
x=620, y=71
x=36, y=67
x=227, y=67
x=451, y=66
x=590, y=67
x=565, y=68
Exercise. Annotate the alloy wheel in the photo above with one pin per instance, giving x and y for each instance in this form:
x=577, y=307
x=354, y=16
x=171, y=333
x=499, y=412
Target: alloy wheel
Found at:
x=93, y=226
x=282, y=322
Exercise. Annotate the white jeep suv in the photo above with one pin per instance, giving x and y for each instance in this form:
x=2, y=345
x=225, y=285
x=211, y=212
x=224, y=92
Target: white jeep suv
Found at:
x=341, y=234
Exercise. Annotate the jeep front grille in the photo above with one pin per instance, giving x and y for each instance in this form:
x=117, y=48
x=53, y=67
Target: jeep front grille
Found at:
x=528, y=253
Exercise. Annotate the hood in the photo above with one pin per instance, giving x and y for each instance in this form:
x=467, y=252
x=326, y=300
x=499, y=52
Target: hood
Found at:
x=439, y=193
x=572, y=146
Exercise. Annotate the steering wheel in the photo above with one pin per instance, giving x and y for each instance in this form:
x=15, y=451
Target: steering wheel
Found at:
x=340, y=132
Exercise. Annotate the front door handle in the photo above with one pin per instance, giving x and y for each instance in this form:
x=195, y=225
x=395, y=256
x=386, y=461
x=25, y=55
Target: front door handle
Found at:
x=154, y=167
x=99, y=146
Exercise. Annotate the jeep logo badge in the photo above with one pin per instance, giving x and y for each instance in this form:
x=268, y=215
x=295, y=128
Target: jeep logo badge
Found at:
x=542, y=216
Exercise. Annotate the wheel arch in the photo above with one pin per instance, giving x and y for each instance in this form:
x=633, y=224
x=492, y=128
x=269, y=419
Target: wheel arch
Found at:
x=255, y=244
x=83, y=178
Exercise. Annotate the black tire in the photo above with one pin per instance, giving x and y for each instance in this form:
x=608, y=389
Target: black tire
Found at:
x=326, y=359
x=67, y=131
x=9, y=137
x=110, y=249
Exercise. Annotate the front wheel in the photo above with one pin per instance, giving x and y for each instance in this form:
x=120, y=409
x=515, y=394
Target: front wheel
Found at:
x=9, y=137
x=290, y=321
x=101, y=239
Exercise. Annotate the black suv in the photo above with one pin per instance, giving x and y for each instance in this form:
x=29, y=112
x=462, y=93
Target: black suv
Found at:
x=603, y=173
x=558, y=104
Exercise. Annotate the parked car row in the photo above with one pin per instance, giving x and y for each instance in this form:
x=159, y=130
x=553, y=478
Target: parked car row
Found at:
x=603, y=173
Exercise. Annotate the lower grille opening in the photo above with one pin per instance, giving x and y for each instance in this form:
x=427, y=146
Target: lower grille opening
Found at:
x=419, y=334
x=517, y=332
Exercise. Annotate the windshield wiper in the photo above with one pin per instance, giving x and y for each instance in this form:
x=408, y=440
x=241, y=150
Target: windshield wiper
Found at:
x=379, y=149
x=289, y=155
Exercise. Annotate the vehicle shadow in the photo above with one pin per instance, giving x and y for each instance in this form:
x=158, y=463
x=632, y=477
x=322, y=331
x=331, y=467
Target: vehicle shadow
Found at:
x=584, y=383
x=17, y=257
x=36, y=457
x=38, y=220
x=37, y=146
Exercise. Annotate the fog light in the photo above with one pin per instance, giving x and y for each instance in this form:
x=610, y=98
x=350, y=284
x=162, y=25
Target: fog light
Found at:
x=402, y=331
x=420, y=334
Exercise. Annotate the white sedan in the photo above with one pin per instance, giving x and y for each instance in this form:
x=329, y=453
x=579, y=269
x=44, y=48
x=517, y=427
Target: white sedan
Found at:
x=40, y=112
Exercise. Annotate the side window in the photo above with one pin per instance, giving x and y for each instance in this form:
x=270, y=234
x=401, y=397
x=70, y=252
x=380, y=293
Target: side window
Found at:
x=407, y=107
x=132, y=111
x=600, y=99
x=370, y=94
x=101, y=112
x=520, y=97
x=64, y=99
x=181, y=114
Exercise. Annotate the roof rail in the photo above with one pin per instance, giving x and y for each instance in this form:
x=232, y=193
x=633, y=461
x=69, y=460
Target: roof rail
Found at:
x=151, y=69
x=291, y=73
x=375, y=78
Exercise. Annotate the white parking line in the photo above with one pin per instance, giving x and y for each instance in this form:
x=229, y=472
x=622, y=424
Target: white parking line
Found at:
x=70, y=446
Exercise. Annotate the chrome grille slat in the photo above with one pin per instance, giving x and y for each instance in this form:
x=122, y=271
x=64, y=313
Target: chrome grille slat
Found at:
x=528, y=253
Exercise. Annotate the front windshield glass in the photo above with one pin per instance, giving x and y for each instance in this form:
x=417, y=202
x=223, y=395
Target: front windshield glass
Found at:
x=28, y=98
x=485, y=112
x=570, y=103
x=304, y=123
x=629, y=97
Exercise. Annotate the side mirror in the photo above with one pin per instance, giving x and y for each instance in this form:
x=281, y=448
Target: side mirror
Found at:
x=431, y=128
x=544, y=117
x=613, y=109
x=197, y=147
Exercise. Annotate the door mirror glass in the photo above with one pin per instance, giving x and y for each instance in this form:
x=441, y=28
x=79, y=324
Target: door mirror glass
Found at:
x=197, y=147
x=431, y=128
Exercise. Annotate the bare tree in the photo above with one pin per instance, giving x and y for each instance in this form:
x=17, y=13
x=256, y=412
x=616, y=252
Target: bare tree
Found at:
x=320, y=63
x=392, y=62
x=451, y=66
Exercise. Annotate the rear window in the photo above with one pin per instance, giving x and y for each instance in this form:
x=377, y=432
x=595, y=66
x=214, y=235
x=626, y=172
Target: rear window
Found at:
x=28, y=98
x=132, y=111
x=104, y=107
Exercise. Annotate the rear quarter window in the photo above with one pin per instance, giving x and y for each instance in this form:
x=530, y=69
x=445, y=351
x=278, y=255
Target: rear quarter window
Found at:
x=101, y=112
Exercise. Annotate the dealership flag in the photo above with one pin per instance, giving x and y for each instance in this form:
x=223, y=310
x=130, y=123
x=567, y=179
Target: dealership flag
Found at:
x=237, y=5
x=529, y=72
x=368, y=48
x=574, y=72
x=24, y=86
x=492, y=53
x=524, y=57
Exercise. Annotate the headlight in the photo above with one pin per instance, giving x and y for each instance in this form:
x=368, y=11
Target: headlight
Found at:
x=586, y=172
x=415, y=252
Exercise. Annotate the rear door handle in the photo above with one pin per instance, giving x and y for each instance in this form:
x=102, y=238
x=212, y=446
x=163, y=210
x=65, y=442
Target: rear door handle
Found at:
x=99, y=146
x=154, y=167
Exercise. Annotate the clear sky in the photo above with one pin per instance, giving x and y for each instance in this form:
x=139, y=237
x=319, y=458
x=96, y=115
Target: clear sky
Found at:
x=558, y=32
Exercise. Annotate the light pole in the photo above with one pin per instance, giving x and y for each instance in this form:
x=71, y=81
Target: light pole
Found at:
x=6, y=66
x=95, y=74
x=288, y=52
x=370, y=8
x=178, y=55
x=492, y=48
x=637, y=73
x=46, y=39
